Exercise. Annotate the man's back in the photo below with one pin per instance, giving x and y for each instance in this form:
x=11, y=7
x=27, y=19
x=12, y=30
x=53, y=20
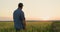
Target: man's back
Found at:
x=18, y=17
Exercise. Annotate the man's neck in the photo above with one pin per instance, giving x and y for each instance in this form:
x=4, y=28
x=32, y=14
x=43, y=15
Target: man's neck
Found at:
x=20, y=8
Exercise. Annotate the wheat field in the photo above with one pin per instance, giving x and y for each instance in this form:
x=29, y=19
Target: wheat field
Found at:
x=38, y=26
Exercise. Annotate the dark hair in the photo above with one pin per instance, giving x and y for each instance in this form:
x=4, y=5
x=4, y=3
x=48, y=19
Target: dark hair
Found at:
x=20, y=5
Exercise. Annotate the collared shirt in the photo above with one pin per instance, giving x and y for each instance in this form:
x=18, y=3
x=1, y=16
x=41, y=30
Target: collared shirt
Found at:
x=18, y=17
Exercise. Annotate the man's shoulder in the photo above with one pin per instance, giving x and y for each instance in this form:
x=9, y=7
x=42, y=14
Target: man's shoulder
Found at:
x=16, y=10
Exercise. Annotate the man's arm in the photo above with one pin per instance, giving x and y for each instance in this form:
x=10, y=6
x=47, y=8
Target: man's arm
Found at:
x=23, y=19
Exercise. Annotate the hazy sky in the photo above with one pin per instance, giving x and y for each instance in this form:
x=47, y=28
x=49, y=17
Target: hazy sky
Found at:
x=39, y=9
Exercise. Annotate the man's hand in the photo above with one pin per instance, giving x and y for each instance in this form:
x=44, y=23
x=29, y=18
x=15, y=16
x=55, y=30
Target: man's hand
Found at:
x=24, y=23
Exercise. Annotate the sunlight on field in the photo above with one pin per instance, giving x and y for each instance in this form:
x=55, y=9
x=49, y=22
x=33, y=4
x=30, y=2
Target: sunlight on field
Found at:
x=31, y=26
x=40, y=26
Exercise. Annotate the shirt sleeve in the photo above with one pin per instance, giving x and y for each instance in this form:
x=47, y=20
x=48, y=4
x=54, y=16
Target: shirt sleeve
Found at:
x=22, y=16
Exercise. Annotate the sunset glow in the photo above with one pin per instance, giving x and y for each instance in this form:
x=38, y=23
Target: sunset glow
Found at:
x=45, y=18
x=33, y=9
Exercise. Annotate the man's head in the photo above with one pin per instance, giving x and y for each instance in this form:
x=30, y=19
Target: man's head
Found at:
x=20, y=5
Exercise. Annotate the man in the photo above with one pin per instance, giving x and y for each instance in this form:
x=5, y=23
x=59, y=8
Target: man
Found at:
x=19, y=18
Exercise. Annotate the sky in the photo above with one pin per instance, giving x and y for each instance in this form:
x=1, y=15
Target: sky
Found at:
x=33, y=9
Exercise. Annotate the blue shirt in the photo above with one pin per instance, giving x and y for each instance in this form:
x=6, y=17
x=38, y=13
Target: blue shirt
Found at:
x=18, y=17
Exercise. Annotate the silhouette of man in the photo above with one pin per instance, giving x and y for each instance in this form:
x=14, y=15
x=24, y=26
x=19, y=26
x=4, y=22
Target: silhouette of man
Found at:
x=19, y=18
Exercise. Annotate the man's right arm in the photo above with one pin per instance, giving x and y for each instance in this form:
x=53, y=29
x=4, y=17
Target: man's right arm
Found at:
x=23, y=19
